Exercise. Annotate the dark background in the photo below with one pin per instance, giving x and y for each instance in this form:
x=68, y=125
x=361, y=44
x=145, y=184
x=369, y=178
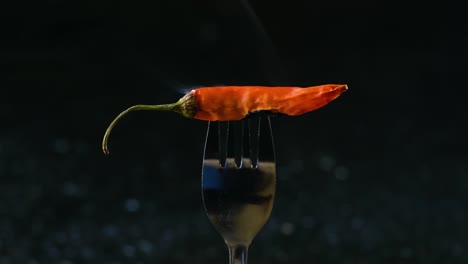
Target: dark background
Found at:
x=377, y=176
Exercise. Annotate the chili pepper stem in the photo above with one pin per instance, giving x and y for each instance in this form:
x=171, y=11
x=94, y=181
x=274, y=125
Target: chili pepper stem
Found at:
x=186, y=106
x=164, y=107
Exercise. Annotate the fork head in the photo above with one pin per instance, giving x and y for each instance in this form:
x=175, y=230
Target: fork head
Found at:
x=239, y=177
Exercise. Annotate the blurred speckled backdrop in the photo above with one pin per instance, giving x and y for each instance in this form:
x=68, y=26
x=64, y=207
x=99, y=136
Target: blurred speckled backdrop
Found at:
x=378, y=176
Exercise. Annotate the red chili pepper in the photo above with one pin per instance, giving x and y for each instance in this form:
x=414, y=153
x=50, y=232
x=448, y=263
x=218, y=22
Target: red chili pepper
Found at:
x=228, y=103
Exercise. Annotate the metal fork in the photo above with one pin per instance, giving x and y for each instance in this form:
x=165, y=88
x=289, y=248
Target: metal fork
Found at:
x=239, y=180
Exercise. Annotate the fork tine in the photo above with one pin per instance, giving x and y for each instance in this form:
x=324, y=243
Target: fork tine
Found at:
x=266, y=148
x=254, y=133
x=216, y=142
x=238, y=146
x=223, y=135
x=230, y=142
x=210, y=151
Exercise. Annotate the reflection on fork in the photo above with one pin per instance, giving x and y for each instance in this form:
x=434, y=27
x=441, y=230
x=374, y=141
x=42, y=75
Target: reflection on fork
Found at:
x=239, y=180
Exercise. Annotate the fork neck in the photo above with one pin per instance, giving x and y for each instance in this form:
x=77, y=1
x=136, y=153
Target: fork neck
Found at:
x=238, y=254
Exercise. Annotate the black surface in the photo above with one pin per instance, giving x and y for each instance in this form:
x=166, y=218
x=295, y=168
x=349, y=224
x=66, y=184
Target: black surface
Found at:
x=377, y=176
